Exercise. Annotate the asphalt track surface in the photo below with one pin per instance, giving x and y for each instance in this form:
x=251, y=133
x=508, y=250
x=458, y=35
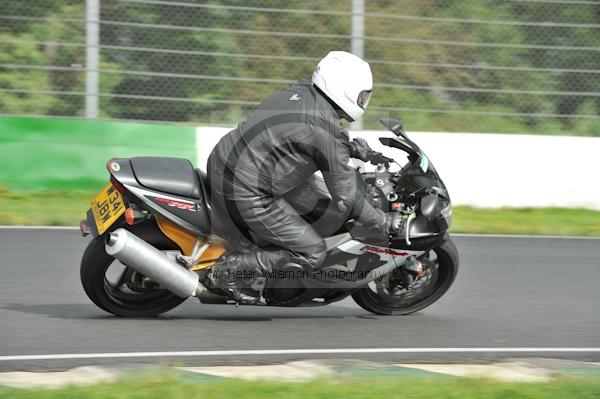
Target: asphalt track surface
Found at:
x=510, y=293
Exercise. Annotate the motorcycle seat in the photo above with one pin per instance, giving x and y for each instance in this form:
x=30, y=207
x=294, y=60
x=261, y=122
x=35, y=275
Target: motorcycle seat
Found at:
x=168, y=175
x=203, y=179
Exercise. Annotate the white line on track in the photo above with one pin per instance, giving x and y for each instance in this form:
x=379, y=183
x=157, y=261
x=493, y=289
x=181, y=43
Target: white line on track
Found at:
x=453, y=234
x=260, y=352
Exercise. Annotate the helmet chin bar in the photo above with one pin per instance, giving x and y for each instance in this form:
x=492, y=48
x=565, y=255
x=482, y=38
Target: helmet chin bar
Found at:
x=340, y=112
x=344, y=115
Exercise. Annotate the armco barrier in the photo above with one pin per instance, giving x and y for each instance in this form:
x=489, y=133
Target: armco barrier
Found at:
x=40, y=153
x=483, y=170
x=495, y=170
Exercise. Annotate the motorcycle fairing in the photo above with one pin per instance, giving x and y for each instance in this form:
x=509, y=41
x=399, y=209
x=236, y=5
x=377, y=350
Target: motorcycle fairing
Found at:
x=181, y=211
x=165, y=197
x=321, y=286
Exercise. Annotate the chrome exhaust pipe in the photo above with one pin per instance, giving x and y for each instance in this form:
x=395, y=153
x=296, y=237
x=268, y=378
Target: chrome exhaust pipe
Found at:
x=149, y=261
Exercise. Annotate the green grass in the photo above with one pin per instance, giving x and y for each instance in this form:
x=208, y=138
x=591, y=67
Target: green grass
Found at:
x=536, y=221
x=68, y=207
x=52, y=208
x=163, y=387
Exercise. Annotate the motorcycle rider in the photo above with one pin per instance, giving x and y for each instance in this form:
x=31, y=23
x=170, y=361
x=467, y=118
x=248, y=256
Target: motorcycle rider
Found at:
x=261, y=173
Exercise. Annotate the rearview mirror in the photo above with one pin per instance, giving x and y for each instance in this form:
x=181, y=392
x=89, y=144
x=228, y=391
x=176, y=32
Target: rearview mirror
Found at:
x=395, y=126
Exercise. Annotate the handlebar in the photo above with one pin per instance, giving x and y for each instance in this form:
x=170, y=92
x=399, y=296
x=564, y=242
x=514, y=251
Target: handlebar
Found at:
x=378, y=158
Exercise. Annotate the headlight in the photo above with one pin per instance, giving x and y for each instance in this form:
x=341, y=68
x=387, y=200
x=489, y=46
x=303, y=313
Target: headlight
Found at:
x=447, y=214
x=447, y=211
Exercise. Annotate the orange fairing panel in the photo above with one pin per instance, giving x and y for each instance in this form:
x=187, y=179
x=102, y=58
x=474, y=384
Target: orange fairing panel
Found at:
x=215, y=251
x=185, y=240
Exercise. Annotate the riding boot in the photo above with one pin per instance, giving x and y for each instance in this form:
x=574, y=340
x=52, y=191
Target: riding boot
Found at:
x=235, y=275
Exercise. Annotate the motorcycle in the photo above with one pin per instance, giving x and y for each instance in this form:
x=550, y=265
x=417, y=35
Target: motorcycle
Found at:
x=154, y=244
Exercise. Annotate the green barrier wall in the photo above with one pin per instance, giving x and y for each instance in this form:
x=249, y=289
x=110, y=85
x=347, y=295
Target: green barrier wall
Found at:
x=38, y=153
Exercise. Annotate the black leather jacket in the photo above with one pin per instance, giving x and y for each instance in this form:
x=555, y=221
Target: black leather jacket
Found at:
x=290, y=136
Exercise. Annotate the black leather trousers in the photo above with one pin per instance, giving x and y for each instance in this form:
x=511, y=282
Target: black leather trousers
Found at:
x=287, y=228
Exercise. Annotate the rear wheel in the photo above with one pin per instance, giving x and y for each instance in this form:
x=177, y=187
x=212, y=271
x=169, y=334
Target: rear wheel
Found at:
x=390, y=295
x=120, y=290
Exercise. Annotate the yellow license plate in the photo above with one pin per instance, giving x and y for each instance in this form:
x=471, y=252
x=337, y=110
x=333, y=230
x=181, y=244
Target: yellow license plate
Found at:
x=107, y=207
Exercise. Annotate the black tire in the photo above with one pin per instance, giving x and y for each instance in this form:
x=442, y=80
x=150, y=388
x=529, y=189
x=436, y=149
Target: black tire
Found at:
x=99, y=289
x=447, y=259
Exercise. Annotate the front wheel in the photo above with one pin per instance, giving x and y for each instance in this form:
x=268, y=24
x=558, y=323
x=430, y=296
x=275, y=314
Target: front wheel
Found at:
x=120, y=290
x=390, y=295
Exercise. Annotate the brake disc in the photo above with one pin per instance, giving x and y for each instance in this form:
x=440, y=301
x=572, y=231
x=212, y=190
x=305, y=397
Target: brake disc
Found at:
x=398, y=289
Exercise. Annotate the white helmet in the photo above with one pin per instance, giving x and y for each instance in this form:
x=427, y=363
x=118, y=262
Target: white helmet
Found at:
x=346, y=80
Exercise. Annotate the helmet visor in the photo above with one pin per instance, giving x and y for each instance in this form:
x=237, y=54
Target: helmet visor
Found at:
x=363, y=98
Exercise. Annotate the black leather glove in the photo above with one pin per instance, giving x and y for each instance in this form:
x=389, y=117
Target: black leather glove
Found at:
x=387, y=224
x=393, y=223
x=377, y=157
x=360, y=149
